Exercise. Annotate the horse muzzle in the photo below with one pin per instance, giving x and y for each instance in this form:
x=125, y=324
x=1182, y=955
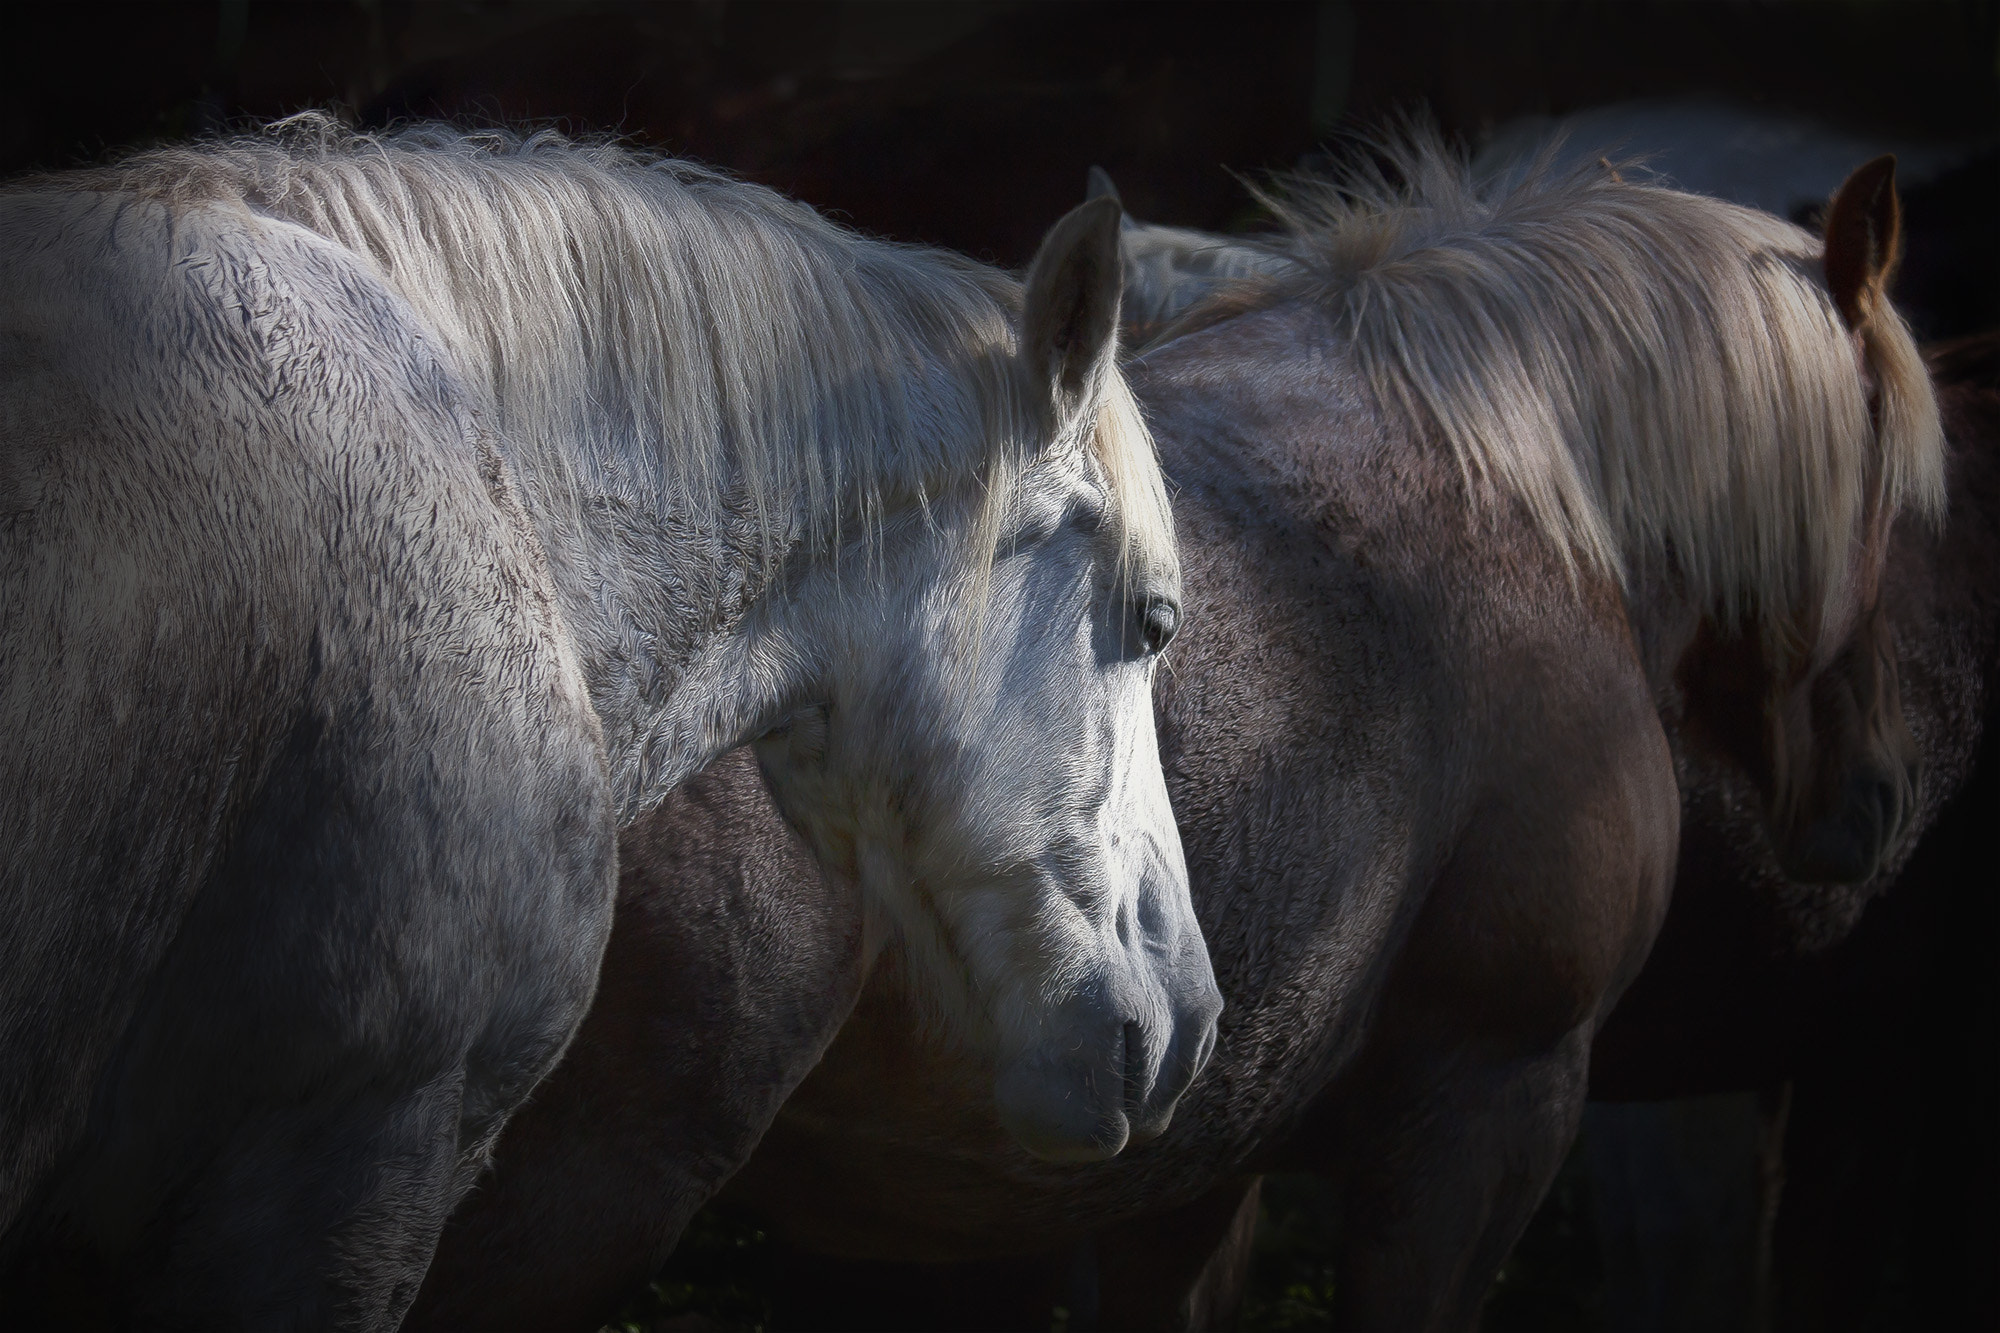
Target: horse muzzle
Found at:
x=1110, y=1073
x=1849, y=842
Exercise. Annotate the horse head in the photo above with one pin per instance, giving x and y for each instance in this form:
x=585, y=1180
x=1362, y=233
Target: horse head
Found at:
x=981, y=755
x=1819, y=725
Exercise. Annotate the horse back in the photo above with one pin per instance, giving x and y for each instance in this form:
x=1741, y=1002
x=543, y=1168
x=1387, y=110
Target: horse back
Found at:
x=296, y=756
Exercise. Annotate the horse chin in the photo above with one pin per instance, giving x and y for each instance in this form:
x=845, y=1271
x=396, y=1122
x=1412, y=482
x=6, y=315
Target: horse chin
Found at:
x=1151, y=1124
x=1111, y=1083
x=1061, y=1119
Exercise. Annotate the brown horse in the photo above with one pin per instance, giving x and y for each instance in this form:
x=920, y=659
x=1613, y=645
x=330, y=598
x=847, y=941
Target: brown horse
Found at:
x=1874, y=998
x=1862, y=1010
x=1462, y=499
x=1416, y=745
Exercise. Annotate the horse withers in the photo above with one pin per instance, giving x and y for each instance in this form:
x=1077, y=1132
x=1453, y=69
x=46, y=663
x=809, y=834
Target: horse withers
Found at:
x=389, y=521
x=1170, y=270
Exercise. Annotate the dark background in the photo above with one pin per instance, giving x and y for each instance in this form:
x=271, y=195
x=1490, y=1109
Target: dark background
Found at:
x=971, y=124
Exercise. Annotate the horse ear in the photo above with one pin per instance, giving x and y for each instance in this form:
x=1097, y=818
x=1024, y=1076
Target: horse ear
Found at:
x=1099, y=185
x=1863, y=228
x=1069, y=322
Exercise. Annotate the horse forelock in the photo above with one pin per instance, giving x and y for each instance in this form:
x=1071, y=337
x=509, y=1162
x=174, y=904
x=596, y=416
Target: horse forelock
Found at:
x=1125, y=451
x=1660, y=378
x=651, y=332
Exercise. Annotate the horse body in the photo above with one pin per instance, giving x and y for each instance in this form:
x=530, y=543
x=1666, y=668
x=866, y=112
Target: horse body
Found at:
x=390, y=521
x=206, y=715
x=1761, y=976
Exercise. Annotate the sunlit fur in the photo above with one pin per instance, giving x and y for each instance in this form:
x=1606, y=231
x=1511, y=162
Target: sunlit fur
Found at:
x=663, y=346
x=1737, y=441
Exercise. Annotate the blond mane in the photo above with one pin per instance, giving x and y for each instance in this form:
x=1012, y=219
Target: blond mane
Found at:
x=651, y=332
x=1660, y=377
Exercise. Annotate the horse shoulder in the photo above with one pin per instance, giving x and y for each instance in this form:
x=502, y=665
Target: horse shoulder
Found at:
x=732, y=966
x=1558, y=878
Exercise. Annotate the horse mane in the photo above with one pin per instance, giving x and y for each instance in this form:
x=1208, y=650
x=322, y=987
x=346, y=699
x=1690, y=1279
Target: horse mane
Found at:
x=1660, y=377
x=653, y=332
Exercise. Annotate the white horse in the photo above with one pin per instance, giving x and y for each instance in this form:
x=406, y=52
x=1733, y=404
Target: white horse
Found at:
x=384, y=522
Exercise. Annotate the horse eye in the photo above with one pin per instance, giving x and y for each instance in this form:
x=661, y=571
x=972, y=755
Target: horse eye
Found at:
x=1158, y=623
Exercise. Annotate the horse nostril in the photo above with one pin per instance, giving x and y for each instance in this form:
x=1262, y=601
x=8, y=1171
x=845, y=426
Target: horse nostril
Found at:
x=1894, y=801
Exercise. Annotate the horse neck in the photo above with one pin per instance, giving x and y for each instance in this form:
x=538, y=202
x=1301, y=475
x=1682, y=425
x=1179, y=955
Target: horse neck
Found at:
x=669, y=508
x=643, y=594
x=656, y=579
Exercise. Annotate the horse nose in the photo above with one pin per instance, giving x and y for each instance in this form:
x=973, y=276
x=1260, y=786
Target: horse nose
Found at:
x=1847, y=843
x=1851, y=842
x=1890, y=794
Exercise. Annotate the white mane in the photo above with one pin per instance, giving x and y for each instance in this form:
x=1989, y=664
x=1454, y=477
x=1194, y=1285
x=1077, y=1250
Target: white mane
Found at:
x=655, y=334
x=1655, y=374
